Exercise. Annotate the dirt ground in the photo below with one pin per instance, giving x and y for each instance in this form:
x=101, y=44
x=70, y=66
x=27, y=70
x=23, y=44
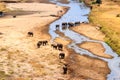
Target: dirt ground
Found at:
x=20, y=59
x=82, y=67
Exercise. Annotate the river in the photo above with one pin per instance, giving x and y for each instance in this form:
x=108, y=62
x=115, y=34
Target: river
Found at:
x=77, y=12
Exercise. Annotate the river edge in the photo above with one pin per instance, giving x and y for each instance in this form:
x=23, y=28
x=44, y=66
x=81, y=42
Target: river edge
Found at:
x=72, y=72
x=93, y=33
x=82, y=67
x=86, y=62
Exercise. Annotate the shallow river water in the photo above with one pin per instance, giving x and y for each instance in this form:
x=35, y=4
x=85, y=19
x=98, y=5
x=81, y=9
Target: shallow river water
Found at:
x=78, y=12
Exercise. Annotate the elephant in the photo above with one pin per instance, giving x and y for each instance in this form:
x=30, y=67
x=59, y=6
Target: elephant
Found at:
x=71, y=24
x=77, y=23
x=64, y=24
x=30, y=34
x=44, y=43
x=57, y=46
x=61, y=55
x=65, y=69
x=60, y=46
x=54, y=46
x=41, y=43
x=57, y=26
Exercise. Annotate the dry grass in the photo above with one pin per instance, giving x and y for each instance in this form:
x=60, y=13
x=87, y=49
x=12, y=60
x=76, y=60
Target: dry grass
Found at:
x=105, y=16
x=3, y=7
x=19, y=56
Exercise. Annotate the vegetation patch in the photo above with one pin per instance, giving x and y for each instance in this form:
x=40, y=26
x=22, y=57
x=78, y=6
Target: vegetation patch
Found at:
x=105, y=17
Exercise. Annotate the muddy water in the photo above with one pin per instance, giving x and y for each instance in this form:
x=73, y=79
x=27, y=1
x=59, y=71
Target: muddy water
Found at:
x=77, y=12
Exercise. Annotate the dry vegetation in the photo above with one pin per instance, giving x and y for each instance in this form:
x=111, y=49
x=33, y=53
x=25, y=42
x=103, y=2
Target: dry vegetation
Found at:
x=31, y=64
x=2, y=7
x=107, y=16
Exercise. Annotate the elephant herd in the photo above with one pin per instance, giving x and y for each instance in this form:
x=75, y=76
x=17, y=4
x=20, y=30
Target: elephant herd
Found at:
x=68, y=24
x=57, y=46
x=54, y=46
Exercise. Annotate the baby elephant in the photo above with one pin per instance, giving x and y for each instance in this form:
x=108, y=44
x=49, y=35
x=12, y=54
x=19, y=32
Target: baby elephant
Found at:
x=61, y=55
x=65, y=69
x=30, y=34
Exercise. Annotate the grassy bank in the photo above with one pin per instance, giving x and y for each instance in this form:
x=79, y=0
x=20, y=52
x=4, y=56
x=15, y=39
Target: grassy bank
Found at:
x=107, y=17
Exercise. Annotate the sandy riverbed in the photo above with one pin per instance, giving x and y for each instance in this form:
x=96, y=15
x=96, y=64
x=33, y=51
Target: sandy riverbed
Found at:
x=92, y=32
x=89, y=31
x=83, y=67
x=95, y=48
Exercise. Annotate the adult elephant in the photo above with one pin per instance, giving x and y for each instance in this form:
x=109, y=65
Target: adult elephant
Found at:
x=71, y=24
x=60, y=47
x=64, y=24
x=61, y=55
x=77, y=23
